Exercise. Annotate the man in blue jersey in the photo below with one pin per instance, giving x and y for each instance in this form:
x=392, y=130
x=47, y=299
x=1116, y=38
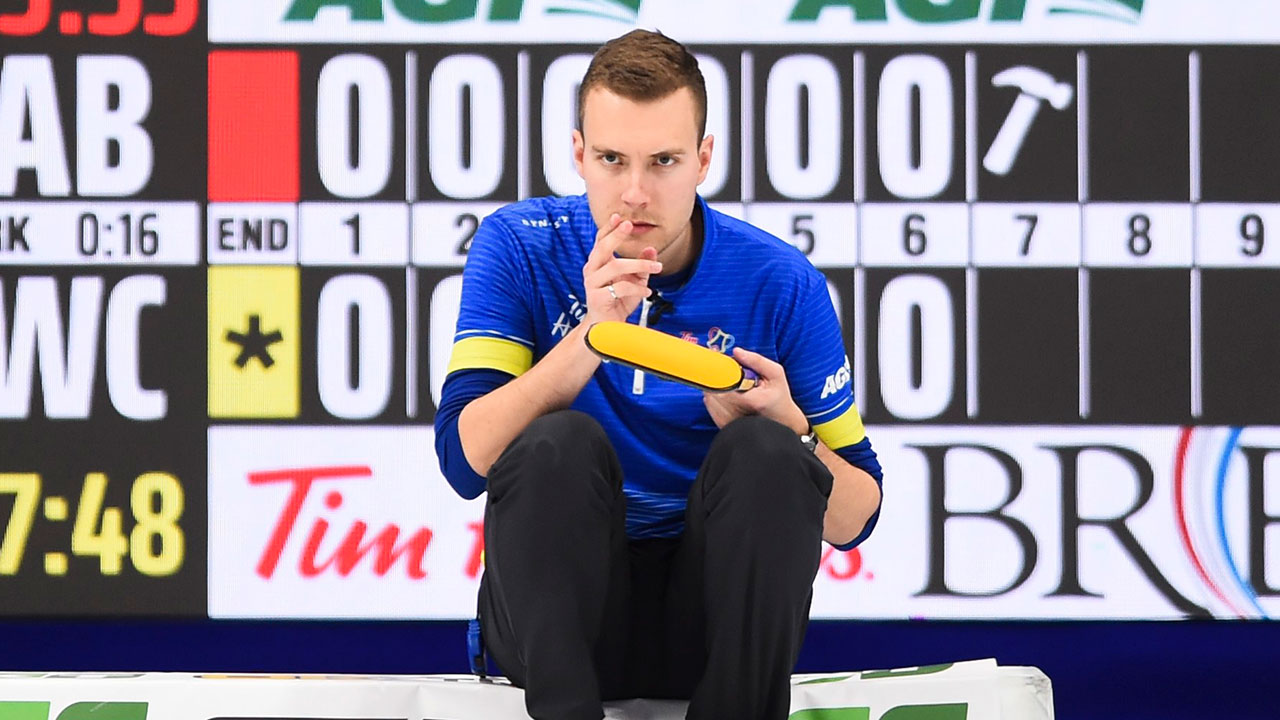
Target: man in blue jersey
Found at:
x=645, y=539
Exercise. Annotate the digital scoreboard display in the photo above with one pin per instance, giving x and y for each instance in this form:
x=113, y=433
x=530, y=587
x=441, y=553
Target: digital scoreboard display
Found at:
x=232, y=236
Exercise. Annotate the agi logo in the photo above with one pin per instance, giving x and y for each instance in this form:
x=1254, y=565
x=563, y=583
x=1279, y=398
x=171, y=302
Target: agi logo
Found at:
x=1129, y=11
x=950, y=11
x=421, y=11
x=627, y=11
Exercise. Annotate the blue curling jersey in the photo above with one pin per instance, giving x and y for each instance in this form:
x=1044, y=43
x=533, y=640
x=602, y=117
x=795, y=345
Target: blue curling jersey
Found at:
x=522, y=293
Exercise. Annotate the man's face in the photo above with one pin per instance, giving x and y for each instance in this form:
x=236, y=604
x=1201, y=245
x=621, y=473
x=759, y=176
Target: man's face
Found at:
x=643, y=161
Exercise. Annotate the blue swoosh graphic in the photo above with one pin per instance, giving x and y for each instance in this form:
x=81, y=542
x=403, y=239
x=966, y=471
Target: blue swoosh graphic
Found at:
x=1219, y=495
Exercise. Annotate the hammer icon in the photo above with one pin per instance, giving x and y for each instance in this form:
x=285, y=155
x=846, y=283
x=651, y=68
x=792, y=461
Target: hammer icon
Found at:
x=1036, y=86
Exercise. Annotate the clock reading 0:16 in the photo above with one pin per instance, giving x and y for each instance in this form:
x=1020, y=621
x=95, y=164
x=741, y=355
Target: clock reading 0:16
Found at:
x=155, y=546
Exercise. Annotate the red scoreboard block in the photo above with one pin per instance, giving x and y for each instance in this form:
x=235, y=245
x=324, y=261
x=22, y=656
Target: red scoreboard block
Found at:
x=253, y=126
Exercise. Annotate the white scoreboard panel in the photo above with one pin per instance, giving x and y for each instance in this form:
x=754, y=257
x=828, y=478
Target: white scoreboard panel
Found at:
x=231, y=266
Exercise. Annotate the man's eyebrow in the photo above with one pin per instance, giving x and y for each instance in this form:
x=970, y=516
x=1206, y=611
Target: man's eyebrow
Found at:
x=600, y=150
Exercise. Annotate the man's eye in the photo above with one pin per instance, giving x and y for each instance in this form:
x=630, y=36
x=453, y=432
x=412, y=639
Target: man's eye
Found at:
x=666, y=160
x=609, y=158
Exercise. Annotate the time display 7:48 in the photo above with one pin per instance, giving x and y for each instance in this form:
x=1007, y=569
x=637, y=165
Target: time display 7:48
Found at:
x=156, y=545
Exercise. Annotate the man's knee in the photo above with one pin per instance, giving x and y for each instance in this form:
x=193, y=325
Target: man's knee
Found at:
x=558, y=449
x=755, y=430
x=754, y=442
x=569, y=427
x=767, y=467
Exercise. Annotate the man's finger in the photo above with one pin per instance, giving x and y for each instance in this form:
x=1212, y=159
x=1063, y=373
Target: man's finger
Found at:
x=624, y=289
x=607, y=241
x=764, y=367
x=639, y=267
x=599, y=255
x=619, y=269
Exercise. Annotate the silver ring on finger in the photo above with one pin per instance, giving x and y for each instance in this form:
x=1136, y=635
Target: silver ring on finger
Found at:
x=612, y=294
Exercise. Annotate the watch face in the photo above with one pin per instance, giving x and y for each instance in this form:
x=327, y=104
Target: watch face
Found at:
x=810, y=441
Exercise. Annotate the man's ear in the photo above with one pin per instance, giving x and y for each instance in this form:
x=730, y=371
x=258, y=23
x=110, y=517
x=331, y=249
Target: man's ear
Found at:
x=704, y=156
x=579, y=148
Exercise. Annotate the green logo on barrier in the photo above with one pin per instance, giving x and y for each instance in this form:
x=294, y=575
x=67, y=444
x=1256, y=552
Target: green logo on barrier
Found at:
x=908, y=672
x=950, y=11
x=876, y=674
x=949, y=711
x=444, y=11
x=12, y=710
x=24, y=711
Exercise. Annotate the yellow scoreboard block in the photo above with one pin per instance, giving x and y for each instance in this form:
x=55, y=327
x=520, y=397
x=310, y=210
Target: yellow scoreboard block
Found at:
x=254, y=346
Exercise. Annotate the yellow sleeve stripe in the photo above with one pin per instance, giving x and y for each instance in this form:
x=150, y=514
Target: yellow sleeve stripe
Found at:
x=491, y=354
x=845, y=430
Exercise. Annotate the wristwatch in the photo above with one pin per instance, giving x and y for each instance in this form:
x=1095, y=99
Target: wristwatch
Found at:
x=810, y=439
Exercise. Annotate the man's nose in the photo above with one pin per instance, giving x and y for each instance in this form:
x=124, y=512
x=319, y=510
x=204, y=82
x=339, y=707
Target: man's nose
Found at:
x=636, y=193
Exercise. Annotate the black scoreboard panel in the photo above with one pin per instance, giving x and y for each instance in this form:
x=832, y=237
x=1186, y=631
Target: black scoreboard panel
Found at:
x=352, y=98
x=1014, y=235
x=1139, y=321
x=1239, y=146
x=1240, y=351
x=1046, y=167
x=915, y=124
x=102, y=448
x=802, y=141
x=1029, y=356
x=1138, y=125
x=102, y=485
x=1140, y=346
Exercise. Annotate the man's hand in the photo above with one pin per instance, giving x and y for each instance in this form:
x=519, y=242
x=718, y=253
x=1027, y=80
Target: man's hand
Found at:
x=771, y=397
x=628, y=277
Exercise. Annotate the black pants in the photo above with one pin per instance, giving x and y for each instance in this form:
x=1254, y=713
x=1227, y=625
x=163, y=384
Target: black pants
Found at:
x=576, y=613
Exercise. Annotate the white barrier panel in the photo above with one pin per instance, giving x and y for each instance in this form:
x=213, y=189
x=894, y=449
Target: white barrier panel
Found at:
x=972, y=690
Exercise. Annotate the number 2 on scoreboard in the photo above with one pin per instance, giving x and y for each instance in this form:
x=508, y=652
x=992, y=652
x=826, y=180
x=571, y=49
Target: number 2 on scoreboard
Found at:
x=469, y=223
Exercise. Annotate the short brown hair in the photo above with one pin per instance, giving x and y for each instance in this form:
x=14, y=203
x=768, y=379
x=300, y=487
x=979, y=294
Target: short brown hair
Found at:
x=644, y=66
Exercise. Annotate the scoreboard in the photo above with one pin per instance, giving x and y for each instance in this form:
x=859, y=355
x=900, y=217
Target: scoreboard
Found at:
x=232, y=235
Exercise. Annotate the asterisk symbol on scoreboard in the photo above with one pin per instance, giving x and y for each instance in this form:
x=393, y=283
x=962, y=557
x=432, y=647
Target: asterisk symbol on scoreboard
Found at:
x=254, y=344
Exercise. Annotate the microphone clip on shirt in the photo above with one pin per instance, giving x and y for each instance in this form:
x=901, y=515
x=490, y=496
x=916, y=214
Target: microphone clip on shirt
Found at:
x=659, y=306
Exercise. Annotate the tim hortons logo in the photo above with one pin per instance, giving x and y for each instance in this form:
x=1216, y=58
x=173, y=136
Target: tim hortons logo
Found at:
x=382, y=549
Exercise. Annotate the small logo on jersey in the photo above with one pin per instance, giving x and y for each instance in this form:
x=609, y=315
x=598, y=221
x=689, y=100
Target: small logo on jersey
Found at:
x=836, y=381
x=719, y=340
x=687, y=336
x=569, y=318
x=555, y=222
